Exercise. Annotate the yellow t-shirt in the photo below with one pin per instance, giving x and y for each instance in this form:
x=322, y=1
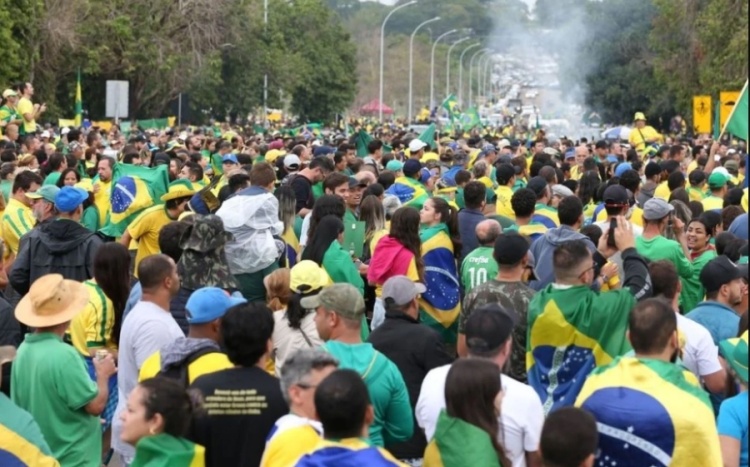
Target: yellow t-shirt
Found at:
x=25, y=106
x=92, y=327
x=17, y=220
x=145, y=230
x=712, y=203
x=209, y=363
x=662, y=191
x=576, y=172
x=637, y=137
x=102, y=200
x=502, y=204
x=286, y=448
x=695, y=194
x=636, y=216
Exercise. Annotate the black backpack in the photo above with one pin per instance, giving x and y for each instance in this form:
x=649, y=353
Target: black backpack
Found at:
x=179, y=372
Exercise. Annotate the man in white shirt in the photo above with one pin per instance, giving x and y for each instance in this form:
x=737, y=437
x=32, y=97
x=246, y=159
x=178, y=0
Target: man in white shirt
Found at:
x=699, y=353
x=489, y=335
x=148, y=327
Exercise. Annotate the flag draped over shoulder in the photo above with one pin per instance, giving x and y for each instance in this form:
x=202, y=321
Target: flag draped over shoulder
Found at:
x=134, y=189
x=348, y=453
x=451, y=105
x=165, y=449
x=571, y=332
x=649, y=413
x=737, y=123
x=18, y=451
x=409, y=191
x=79, y=101
x=457, y=442
x=440, y=304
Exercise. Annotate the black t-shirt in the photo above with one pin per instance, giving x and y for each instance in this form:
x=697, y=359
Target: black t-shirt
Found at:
x=241, y=406
x=302, y=187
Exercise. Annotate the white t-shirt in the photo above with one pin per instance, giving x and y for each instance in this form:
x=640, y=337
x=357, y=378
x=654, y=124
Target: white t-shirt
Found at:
x=287, y=340
x=521, y=415
x=304, y=229
x=146, y=330
x=700, y=355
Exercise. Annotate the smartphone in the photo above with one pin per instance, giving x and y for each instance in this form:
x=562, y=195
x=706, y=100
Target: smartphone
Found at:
x=611, y=236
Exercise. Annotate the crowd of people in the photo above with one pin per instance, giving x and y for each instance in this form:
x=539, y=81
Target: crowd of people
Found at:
x=472, y=300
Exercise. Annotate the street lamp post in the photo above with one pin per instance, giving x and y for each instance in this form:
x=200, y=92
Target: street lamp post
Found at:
x=432, y=66
x=265, y=75
x=471, y=72
x=448, y=64
x=411, y=62
x=487, y=74
x=382, y=52
x=461, y=73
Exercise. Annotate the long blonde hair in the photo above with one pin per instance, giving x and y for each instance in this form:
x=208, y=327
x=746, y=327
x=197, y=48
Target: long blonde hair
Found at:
x=277, y=289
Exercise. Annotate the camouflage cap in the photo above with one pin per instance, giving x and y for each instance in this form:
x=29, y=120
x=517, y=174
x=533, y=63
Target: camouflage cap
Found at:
x=205, y=235
x=344, y=299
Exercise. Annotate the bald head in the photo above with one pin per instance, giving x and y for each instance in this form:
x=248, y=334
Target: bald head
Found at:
x=487, y=232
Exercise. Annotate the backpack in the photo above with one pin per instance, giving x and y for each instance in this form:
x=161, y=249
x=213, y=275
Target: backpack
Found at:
x=179, y=372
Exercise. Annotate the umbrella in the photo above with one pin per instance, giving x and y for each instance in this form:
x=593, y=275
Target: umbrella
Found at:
x=618, y=132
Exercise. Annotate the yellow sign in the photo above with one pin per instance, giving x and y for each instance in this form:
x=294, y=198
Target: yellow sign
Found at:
x=702, y=114
x=727, y=99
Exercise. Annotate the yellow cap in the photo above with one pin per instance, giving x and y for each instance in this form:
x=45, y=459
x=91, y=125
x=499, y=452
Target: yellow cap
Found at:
x=639, y=116
x=429, y=156
x=306, y=276
x=273, y=154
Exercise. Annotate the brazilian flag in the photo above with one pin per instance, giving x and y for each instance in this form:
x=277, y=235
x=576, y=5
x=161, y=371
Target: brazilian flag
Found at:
x=650, y=412
x=451, y=105
x=457, y=443
x=134, y=188
x=164, y=449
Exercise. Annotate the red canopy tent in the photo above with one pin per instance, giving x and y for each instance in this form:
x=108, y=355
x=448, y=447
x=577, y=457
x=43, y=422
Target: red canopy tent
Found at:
x=373, y=107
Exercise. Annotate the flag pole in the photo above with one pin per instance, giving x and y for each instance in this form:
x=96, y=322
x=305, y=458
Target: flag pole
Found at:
x=731, y=114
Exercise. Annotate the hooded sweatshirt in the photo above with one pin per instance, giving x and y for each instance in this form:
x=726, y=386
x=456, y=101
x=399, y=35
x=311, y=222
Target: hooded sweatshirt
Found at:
x=388, y=395
x=544, y=247
x=60, y=246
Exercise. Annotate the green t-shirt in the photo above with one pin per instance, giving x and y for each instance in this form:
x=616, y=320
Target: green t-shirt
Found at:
x=29, y=437
x=52, y=178
x=659, y=247
x=692, y=289
x=90, y=218
x=5, y=187
x=50, y=381
x=317, y=190
x=459, y=198
x=478, y=267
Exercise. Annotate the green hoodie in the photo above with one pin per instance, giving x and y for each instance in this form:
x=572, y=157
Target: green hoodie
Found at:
x=393, y=413
x=341, y=269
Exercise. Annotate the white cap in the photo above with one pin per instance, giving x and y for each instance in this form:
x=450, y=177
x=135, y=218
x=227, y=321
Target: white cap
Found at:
x=721, y=170
x=503, y=143
x=65, y=131
x=416, y=145
x=291, y=160
x=45, y=134
x=316, y=143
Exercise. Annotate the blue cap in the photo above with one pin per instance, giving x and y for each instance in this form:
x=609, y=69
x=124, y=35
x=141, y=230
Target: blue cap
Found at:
x=487, y=149
x=46, y=192
x=411, y=167
x=622, y=168
x=208, y=304
x=425, y=175
x=230, y=158
x=612, y=159
x=69, y=198
x=323, y=151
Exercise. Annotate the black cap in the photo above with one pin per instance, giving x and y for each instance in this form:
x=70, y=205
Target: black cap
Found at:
x=537, y=185
x=652, y=169
x=489, y=327
x=670, y=165
x=411, y=167
x=504, y=173
x=717, y=272
x=616, y=195
x=601, y=144
x=510, y=248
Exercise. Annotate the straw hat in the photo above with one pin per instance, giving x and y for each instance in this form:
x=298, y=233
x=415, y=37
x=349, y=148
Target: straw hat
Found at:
x=52, y=300
x=178, y=189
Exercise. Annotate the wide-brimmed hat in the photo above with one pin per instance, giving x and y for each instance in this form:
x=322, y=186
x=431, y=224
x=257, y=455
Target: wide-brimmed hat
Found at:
x=51, y=300
x=178, y=189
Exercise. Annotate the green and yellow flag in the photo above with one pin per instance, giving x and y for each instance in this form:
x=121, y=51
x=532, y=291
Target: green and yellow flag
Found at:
x=737, y=123
x=451, y=105
x=457, y=442
x=470, y=119
x=79, y=101
x=164, y=449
